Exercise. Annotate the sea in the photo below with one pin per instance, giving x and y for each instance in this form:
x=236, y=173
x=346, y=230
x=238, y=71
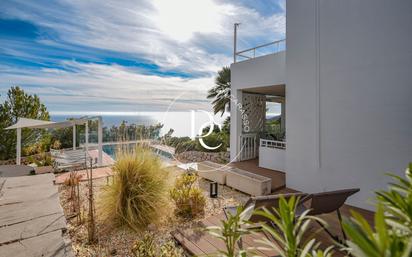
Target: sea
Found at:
x=188, y=123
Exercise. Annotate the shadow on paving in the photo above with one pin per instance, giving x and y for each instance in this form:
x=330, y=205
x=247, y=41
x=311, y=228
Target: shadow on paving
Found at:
x=32, y=222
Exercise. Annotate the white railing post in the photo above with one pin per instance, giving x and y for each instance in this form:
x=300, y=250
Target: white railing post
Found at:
x=18, y=147
x=74, y=136
x=100, y=140
x=235, y=26
x=86, y=136
x=247, y=147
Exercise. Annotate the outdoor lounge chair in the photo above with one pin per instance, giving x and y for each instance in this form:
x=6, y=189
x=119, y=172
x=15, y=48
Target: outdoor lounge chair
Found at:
x=320, y=203
x=327, y=202
x=268, y=202
x=68, y=159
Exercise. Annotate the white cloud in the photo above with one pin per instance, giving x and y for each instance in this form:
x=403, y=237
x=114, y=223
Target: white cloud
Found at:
x=161, y=31
x=84, y=84
x=181, y=19
x=188, y=36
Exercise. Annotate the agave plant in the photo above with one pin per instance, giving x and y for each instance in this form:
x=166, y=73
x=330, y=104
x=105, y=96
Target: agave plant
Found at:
x=288, y=231
x=232, y=231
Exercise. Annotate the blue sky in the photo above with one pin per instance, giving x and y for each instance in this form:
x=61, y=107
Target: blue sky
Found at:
x=126, y=56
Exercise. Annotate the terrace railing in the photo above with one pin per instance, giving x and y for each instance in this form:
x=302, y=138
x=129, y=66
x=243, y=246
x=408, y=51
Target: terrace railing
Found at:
x=248, y=147
x=269, y=48
x=272, y=144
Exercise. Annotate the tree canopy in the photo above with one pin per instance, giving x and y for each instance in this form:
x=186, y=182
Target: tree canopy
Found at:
x=220, y=92
x=23, y=105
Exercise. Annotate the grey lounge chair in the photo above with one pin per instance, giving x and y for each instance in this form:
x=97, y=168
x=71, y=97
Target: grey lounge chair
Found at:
x=327, y=202
x=268, y=202
x=68, y=159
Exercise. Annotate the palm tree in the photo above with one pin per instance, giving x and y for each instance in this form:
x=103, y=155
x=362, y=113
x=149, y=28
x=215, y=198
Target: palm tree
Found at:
x=220, y=93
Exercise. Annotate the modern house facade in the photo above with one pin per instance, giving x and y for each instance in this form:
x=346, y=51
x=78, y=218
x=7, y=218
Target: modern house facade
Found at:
x=344, y=80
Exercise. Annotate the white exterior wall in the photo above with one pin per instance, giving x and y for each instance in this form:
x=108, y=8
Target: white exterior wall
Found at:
x=348, y=94
x=272, y=158
x=261, y=71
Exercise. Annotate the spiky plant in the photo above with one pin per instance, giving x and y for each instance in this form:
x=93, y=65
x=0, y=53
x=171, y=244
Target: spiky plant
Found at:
x=137, y=196
x=397, y=202
x=231, y=232
x=391, y=236
x=288, y=231
x=382, y=241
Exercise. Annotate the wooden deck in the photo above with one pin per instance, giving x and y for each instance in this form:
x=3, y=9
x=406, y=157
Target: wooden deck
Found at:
x=197, y=242
x=278, y=177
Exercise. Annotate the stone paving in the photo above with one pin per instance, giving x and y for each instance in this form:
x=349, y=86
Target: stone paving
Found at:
x=97, y=173
x=32, y=222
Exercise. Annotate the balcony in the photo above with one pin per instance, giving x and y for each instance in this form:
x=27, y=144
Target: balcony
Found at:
x=260, y=66
x=262, y=50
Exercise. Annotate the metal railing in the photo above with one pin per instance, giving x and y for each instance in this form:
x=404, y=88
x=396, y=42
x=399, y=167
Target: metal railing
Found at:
x=272, y=144
x=248, y=147
x=278, y=46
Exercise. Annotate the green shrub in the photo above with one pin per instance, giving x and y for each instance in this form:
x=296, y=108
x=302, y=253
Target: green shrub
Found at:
x=147, y=247
x=56, y=145
x=392, y=233
x=213, y=140
x=42, y=159
x=175, y=141
x=138, y=195
x=189, y=200
x=231, y=232
x=290, y=231
x=186, y=146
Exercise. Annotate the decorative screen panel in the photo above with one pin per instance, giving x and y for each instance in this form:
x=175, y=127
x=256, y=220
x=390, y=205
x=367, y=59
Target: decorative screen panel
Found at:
x=254, y=106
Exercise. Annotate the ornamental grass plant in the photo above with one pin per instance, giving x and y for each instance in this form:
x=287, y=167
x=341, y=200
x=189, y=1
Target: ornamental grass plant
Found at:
x=138, y=195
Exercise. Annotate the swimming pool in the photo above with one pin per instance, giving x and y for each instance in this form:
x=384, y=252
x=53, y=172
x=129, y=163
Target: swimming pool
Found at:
x=112, y=149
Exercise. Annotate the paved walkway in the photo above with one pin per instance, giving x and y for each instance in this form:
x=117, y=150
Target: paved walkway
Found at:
x=106, y=159
x=32, y=222
x=97, y=173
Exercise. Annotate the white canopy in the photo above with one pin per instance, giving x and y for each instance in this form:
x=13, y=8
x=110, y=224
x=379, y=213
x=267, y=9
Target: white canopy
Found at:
x=33, y=124
x=29, y=123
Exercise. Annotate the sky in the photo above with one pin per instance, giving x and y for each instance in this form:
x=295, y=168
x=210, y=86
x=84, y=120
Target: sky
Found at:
x=127, y=56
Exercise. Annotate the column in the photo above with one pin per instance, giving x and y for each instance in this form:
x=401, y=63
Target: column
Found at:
x=283, y=116
x=100, y=141
x=74, y=136
x=18, y=147
x=86, y=136
x=235, y=124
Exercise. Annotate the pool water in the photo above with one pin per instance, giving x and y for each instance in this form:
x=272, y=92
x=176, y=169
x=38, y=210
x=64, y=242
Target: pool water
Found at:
x=112, y=149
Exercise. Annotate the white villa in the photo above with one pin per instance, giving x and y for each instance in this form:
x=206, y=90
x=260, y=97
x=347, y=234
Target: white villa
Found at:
x=343, y=77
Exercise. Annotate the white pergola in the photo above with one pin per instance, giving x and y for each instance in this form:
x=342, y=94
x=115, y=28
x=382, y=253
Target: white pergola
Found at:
x=41, y=124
